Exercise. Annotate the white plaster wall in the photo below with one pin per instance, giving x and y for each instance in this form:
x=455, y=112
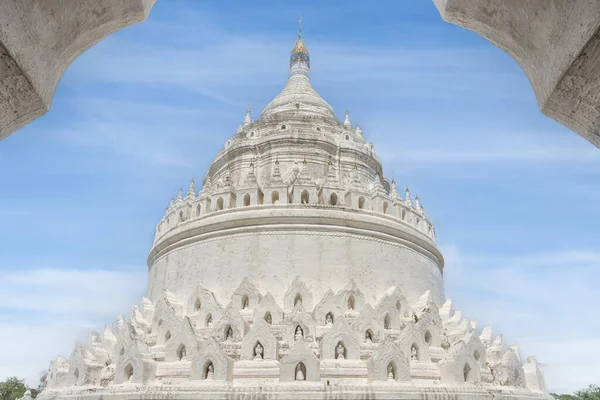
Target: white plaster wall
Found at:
x=272, y=258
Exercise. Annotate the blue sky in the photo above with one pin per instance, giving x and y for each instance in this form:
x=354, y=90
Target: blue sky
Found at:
x=512, y=193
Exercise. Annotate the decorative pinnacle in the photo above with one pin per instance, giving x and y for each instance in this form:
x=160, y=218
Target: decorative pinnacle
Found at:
x=247, y=119
x=180, y=194
x=192, y=191
x=347, y=120
x=418, y=204
x=299, y=51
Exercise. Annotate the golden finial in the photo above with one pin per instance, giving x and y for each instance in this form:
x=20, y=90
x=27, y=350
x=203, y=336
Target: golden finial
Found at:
x=299, y=51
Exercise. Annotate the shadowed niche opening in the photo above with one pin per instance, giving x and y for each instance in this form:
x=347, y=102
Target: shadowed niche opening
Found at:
x=228, y=333
x=128, y=371
x=391, y=371
x=208, y=371
x=268, y=318
x=387, y=322
x=304, y=199
x=467, y=372
x=329, y=318
x=333, y=199
x=298, y=300
x=300, y=372
x=181, y=353
x=369, y=336
x=341, y=351
x=414, y=352
x=351, y=303
x=428, y=337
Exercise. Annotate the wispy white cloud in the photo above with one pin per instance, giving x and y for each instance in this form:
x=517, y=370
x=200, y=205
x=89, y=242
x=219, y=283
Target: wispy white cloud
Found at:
x=570, y=364
x=485, y=148
x=541, y=301
x=45, y=311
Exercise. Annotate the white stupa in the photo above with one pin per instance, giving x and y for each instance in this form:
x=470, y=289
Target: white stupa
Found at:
x=298, y=271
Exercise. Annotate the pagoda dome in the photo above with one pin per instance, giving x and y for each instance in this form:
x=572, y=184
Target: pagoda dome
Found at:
x=298, y=96
x=297, y=271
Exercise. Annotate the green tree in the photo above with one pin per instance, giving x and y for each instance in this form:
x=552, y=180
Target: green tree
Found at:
x=564, y=396
x=591, y=393
x=12, y=388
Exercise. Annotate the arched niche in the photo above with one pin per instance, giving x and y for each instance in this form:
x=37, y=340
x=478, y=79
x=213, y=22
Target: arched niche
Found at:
x=459, y=366
x=389, y=353
x=340, y=332
x=302, y=319
x=260, y=333
x=183, y=344
x=300, y=353
x=298, y=295
x=246, y=296
x=211, y=353
x=232, y=319
x=351, y=296
x=304, y=197
x=327, y=306
x=268, y=309
x=333, y=199
x=367, y=325
x=410, y=340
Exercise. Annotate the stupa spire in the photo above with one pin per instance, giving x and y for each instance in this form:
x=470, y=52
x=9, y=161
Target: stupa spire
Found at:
x=247, y=119
x=298, y=95
x=395, y=194
x=407, y=198
x=299, y=52
x=191, y=191
x=418, y=205
x=347, y=120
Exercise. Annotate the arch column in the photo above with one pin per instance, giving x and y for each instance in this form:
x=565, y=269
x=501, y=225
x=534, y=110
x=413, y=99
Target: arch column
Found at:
x=40, y=39
x=556, y=42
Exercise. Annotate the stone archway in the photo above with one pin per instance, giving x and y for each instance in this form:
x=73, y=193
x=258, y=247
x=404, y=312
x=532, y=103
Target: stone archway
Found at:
x=35, y=51
x=556, y=43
